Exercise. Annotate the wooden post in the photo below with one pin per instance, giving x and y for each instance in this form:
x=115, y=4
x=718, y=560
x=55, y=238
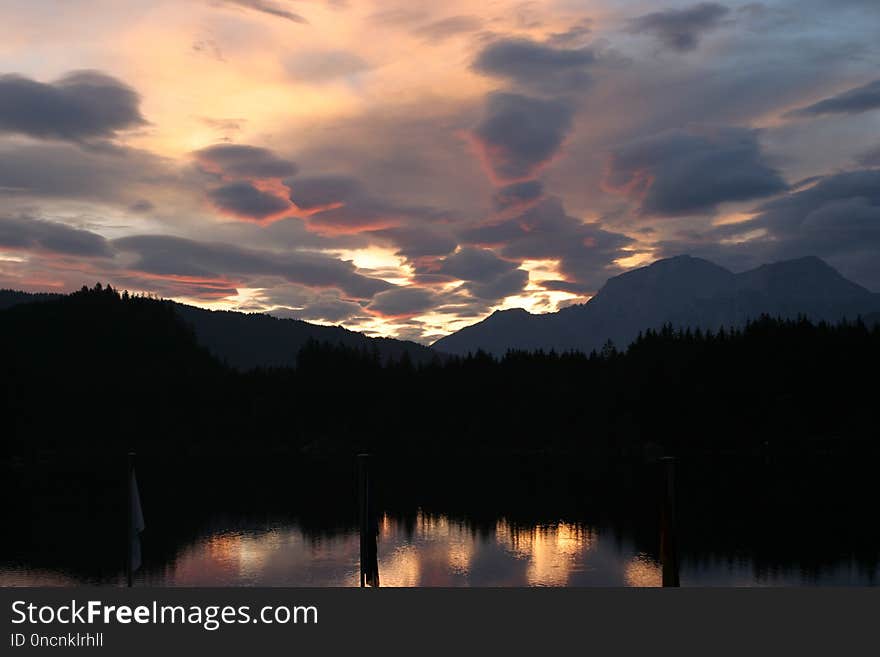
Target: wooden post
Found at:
x=668, y=539
x=129, y=519
x=363, y=476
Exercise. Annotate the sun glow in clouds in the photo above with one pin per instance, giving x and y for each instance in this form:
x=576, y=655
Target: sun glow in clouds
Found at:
x=379, y=262
x=541, y=270
x=544, y=302
x=469, y=126
x=244, y=298
x=734, y=218
x=11, y=257
x=635, y=260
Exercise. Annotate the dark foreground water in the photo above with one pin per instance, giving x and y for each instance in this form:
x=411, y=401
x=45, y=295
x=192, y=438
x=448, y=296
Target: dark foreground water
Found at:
x=436, y=552
x=757, y=524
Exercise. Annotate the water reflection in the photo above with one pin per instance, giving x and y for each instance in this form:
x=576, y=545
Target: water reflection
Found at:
x=780, y=530
x=431, y=550
x=643, y=571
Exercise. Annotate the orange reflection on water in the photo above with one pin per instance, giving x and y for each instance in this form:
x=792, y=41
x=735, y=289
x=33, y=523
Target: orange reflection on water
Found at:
x=216, y=557
x=402, y=567
x=643, y=571
x=554, y=551
x=269, y=557
x=436, y=550
x=419, y=550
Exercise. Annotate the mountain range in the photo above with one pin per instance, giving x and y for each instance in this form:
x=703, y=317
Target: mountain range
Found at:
x=682, y=291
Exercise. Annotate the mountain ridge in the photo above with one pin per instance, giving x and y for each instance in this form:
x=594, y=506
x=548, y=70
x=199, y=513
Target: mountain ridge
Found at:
x=684, y=291
x=246, y=341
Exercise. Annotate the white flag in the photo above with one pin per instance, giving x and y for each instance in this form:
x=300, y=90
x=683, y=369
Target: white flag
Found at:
x=137, y=524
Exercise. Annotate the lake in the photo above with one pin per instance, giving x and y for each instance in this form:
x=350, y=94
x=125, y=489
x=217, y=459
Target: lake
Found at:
x=784, y=532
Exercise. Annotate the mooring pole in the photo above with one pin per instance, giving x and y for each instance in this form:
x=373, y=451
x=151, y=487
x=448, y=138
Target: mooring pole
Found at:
x=668, y=539
x=129, y=519
x=363, y=476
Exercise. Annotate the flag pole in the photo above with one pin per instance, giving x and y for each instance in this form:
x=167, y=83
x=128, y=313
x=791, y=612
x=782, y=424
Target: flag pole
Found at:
x=129, y=519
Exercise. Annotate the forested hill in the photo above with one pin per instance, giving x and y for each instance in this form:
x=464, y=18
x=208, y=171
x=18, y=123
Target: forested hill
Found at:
x=249, y=340
x=10, y=298
x=97, y=373
x=97, y=368
x=246, y=341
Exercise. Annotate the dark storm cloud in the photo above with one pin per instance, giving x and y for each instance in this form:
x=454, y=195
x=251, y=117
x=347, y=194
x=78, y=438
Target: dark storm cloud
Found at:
x=267, y=7
x=496, y=289
x=586, y=252
x=855, y=101
x=243, y=161
x=836, y=218
x=328, y=310
x=341, y=204
x=81, y=105
x=417, y=242
x=566, y=286
x=463, y=307
x=403, y=302
x=445, y=28
x=244, y=200
x=242, y=165
x=164, y=255
x=536, y=65
x=409, y=153
x=28, y=234
x=680, y=172
x=520, y=134
x=300, y=302
x=839, y=212
x=58, y=170
x=681, y=29
x=517, y=194
x=316, y=192
x=469, y=264
x=485, y=275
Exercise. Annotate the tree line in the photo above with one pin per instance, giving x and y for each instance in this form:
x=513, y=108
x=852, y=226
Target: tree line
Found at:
x=101, y=371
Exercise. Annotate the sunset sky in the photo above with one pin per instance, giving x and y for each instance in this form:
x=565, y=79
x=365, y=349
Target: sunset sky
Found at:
x=406, y=168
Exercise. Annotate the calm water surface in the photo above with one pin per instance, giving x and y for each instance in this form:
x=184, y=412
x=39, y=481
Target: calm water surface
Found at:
x=433, y=551
x=740, y=523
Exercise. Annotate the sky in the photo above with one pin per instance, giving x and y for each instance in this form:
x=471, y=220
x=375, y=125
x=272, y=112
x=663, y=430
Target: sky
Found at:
x=405, y=168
